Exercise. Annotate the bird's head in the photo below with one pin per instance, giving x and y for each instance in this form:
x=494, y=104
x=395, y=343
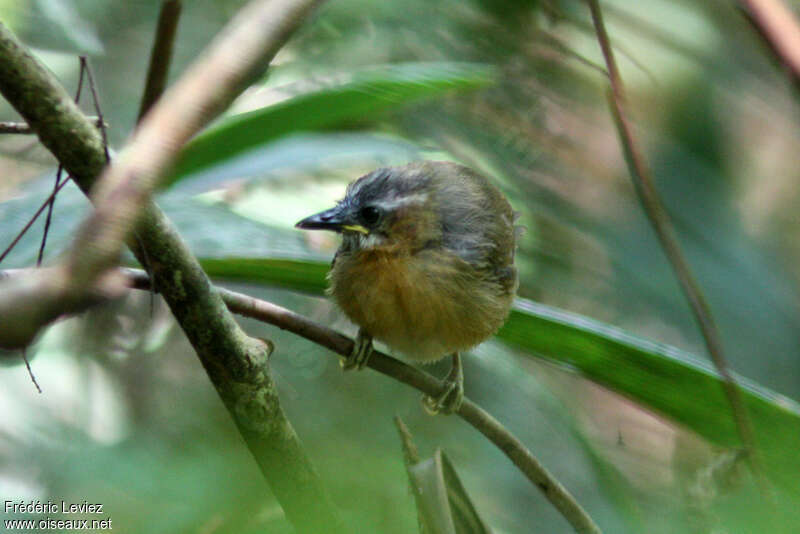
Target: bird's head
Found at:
x=387, y=208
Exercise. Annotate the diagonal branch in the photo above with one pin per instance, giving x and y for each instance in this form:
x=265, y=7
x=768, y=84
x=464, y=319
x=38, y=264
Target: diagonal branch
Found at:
x=659, y=220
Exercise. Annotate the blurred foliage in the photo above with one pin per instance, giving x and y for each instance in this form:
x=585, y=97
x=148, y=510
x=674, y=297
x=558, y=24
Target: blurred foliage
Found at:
x=128, y=419
x=365, y=95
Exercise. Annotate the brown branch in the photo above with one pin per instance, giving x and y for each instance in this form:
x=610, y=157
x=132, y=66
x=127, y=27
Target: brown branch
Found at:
x=23, y=128
x=470, y=412
x=160, y=55
x=659, y=220
x=779, y=27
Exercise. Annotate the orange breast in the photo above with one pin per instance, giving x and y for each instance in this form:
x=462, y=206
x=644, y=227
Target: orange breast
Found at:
x=425, y=306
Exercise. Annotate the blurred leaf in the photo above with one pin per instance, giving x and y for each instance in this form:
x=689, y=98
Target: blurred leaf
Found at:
x=443, y=503
x=540, y=402
x=55, y=25
x=656, y=376
x=430, y=494
x=303, y=152
x=76, y=30
x=465, y=514
x=366, y=94
x=662, y=378
x=307, y=276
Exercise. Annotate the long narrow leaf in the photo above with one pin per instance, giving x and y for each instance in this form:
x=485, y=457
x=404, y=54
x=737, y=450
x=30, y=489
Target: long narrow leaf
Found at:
x=364, y=96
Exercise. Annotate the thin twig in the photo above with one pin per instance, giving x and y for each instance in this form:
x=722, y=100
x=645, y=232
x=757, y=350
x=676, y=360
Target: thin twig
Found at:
x=87, y=68
x=160, y=55
x=23, y=128
x=33, y=219
x=559, y=14
x=50, y=205
x=24, y=353
x=778, y=25
x=52, y=201
x=470, y=412
x=564, y=49
x=657, y=215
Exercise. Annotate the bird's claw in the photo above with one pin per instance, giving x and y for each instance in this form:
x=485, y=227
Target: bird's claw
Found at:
x=452, y=394
x=447, y=402
x=358, y=358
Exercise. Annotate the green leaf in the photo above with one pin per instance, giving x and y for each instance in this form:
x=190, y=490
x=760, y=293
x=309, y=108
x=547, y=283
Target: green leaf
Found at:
x=302, y=153
x=56, y=26
x=663, y=379
x=444, y=505
x=76, y=30
x=306, y=276
x=658, y=377
x=366, y=94
x=430, y=494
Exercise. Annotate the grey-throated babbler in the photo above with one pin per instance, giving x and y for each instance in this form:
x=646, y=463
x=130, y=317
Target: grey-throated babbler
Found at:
x=426, y=264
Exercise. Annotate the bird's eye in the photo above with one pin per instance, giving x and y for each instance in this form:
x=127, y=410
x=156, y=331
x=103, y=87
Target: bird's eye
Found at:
x=370, y=215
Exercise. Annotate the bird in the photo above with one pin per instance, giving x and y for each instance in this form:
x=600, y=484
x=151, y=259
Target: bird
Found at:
x=425, y=265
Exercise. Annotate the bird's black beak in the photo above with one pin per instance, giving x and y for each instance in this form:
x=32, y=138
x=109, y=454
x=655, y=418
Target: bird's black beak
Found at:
x=331, y=219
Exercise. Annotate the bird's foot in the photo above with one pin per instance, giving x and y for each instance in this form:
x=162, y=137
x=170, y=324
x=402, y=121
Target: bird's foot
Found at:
x=362, y=350
x=452, y=394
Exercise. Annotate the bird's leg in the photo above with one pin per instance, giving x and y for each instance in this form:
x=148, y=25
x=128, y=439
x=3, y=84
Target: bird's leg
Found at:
x=362, y=350
x=449, y=400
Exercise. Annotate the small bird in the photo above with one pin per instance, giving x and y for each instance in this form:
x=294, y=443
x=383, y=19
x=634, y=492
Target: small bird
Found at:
x=426, y=264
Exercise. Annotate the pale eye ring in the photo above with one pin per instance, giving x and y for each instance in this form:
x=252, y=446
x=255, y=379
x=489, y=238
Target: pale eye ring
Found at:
x=370, y=215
